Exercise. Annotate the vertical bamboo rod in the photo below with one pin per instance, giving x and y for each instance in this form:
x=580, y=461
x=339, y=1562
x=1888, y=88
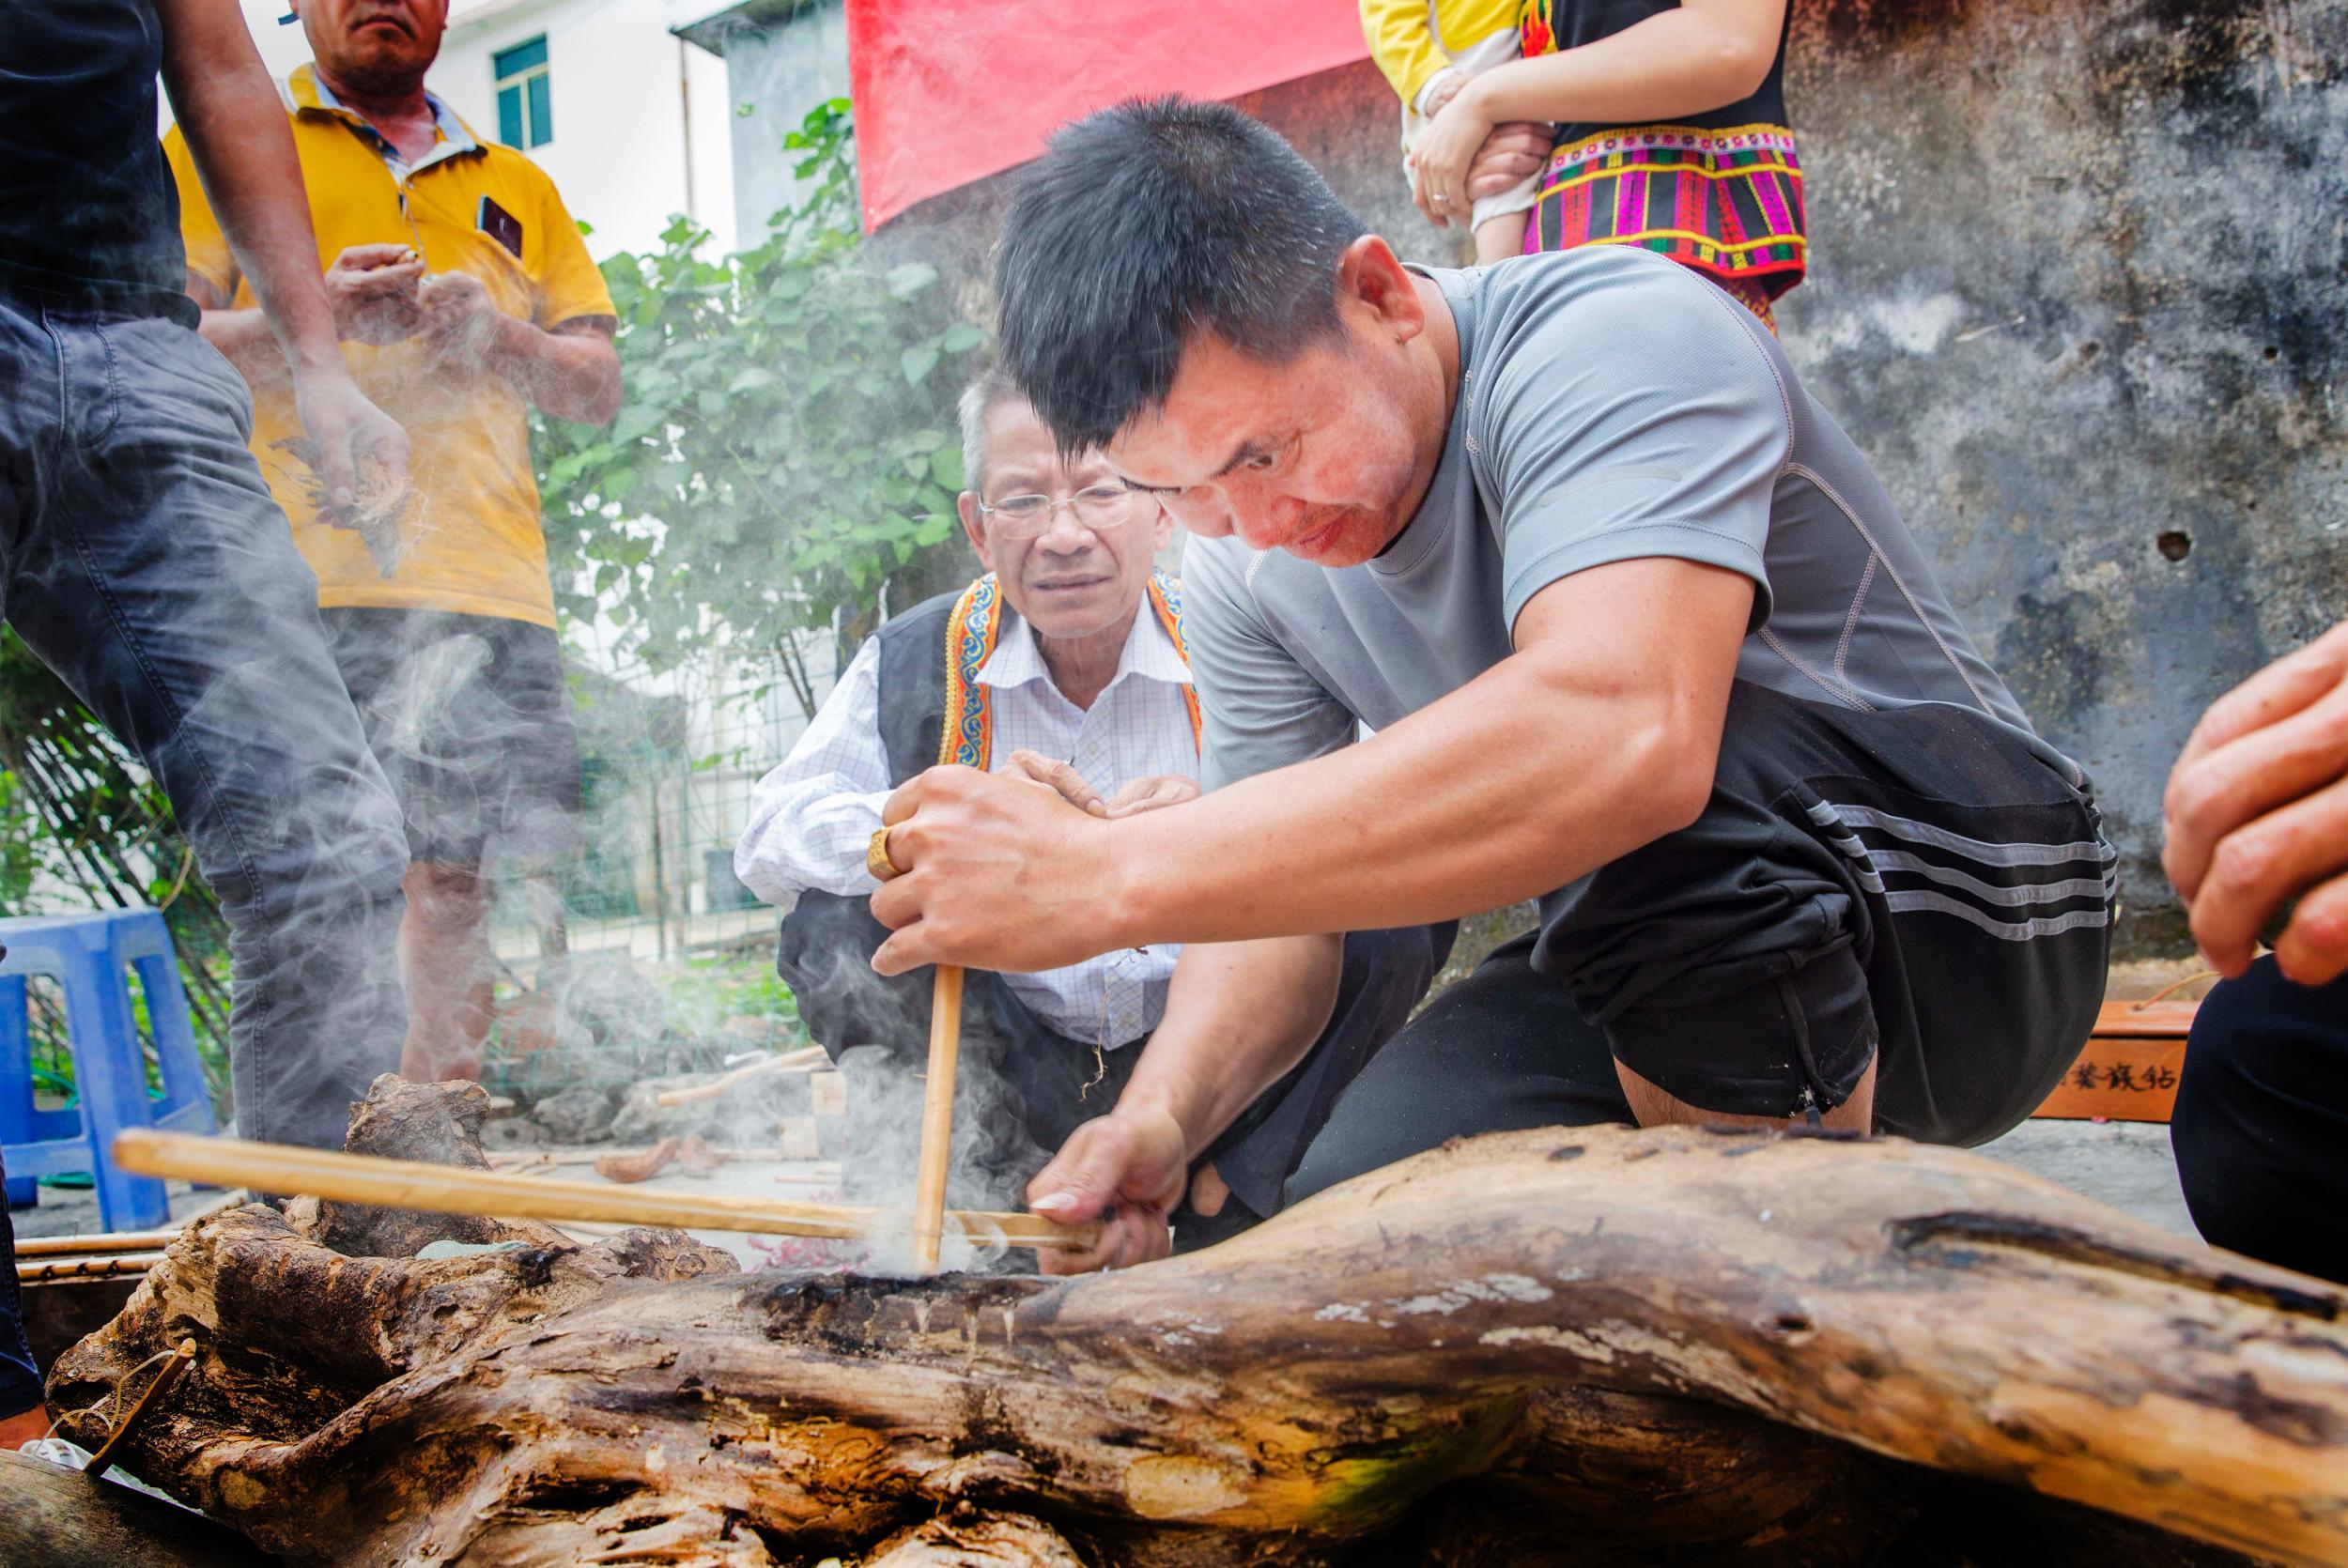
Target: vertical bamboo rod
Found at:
x=937, y=1118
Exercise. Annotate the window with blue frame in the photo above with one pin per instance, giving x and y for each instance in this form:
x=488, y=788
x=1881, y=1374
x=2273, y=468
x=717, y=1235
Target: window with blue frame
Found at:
x=525, y=101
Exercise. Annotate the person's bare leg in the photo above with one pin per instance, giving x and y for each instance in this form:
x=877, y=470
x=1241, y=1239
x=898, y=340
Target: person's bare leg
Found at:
x=445, y=958
x=1498, y=239
x=1655, y=1108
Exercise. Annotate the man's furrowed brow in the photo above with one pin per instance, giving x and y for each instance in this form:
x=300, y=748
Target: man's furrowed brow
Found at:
x=1248, y=451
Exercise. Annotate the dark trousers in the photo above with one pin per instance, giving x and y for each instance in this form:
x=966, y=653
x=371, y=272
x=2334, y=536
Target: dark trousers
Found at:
x=141, y=559
x=2260, y=1128
x=1023, y=1087
x=1917, y=889
x=20, y=1379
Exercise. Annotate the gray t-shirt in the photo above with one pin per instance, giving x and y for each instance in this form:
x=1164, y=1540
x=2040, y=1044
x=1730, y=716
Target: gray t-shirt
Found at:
x=1611, y=406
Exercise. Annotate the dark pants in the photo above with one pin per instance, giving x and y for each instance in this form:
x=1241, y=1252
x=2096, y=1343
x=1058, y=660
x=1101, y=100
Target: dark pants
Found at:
x=20, y=1379
x=1054, y=1082
x=2260, y=1128
x=1915, y=889
x=141, y=559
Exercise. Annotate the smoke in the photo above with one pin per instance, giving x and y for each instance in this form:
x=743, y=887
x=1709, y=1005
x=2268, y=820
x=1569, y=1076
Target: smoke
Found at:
x=311, y=774
x=992, y=1154
x=283, y=805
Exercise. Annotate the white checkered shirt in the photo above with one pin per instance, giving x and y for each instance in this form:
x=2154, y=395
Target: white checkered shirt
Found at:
x=812, y=818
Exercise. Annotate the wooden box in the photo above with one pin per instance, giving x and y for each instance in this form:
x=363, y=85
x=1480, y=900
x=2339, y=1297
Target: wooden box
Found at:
x=2127, y=1070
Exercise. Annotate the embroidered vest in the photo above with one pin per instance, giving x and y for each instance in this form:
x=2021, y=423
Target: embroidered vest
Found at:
x=933, y=708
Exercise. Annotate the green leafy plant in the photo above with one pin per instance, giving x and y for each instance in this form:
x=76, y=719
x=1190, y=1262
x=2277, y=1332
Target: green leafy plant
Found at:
x=82, y=826
x=787, y=446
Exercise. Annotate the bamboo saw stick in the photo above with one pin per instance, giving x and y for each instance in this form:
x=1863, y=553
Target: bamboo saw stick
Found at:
x=462, y=1189
x=800, y=1060
x=937, y=1118
x=107, y=1265
x=107, y=1243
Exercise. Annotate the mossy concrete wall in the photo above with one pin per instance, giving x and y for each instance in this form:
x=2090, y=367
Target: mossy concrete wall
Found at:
x=2078, y=277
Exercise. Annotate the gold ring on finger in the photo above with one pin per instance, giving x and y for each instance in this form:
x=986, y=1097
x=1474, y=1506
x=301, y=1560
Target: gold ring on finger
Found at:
x=877, y=856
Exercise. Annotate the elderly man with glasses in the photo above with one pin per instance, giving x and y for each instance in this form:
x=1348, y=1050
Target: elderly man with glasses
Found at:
x=1063, y=665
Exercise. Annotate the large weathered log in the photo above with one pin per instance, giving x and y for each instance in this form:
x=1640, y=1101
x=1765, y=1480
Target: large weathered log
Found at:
x=438, y=1123
x=1610, y=1344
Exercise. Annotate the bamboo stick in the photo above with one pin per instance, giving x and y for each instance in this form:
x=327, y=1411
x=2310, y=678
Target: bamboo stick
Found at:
x=937, y=1118
x=587, y=1154
x=96, y=1244
x=804, y=1059
x=105, y=1266
x=461, y=1189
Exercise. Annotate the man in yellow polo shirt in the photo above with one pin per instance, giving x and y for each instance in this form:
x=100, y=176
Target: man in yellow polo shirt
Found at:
x=462, y=293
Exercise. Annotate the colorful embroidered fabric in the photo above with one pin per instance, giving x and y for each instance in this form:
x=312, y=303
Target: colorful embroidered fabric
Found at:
x=967, y=736
x=1727, y=203
x=1750, y=293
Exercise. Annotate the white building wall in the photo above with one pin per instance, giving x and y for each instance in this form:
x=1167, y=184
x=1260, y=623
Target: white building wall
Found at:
x=622, y=85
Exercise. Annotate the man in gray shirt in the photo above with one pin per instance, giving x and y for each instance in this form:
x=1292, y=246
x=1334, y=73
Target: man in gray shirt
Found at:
x=1640, y=635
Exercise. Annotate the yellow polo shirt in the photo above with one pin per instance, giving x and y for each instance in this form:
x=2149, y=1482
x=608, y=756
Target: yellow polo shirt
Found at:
x=479, y=549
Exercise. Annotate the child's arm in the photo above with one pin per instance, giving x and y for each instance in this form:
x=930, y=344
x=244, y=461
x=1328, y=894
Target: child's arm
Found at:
x=1403, y=44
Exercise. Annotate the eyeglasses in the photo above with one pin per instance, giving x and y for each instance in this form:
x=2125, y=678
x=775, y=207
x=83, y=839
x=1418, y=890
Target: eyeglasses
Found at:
x=1028, y=516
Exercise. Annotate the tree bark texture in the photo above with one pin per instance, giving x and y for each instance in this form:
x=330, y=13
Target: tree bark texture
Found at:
x=1554, y=1346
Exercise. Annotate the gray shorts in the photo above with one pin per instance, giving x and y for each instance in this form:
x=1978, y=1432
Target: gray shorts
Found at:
x=1911, y=888
x=471, y=717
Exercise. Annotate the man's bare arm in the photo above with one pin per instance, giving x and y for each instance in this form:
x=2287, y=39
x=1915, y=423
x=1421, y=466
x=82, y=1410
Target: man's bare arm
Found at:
x=228, y=109
x=570, y=373
x=244, y=337
x=236, y=130
x=370, y=295
x=1600, y=734
x=1238, y=1016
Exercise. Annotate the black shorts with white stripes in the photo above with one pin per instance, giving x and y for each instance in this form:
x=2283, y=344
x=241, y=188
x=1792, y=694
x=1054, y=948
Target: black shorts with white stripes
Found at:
x=1915, y=887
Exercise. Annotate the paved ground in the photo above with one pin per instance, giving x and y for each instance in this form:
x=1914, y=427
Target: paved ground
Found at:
x=2125, y=1164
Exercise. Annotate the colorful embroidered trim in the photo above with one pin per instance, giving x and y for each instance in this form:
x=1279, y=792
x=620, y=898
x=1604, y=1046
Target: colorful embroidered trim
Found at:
x=1752, y=294
x=967, y=736
x=1727, y=203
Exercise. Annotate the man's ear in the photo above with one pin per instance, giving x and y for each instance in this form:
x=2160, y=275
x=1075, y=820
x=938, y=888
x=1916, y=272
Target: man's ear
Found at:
x=1372, y=279
x=966, y=504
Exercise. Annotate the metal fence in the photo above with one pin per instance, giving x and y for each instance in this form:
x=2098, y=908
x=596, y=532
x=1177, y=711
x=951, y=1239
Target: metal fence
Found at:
x=667, y=769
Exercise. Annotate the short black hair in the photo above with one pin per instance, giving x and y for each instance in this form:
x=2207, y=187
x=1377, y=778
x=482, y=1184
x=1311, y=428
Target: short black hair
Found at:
x=1143, y=224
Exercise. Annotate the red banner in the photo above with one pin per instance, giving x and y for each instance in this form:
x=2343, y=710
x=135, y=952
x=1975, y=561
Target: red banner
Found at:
x=950, y=91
